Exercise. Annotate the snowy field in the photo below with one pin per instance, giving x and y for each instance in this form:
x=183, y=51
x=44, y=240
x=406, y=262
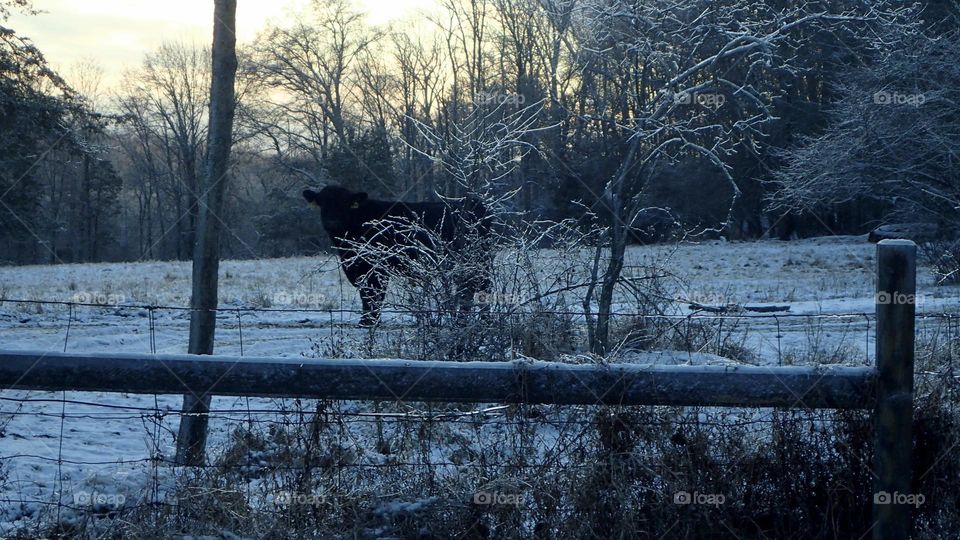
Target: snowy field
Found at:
x=827, y=282
x=308, y=298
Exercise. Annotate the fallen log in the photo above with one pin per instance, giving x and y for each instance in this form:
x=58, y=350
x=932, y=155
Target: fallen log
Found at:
x=736, y=308
x=918, y=232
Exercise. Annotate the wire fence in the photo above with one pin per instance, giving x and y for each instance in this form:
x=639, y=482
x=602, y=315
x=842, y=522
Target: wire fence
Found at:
x=391, y=469
x=506, y=333
x=234, y=322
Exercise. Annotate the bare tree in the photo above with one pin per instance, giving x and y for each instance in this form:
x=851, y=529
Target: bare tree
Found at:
x=658, y=75
x=891, y=144
x=55, y=177
x=420, y=88
x=312, y=64
x=891, y=138
x=23, y=6
x=166, y=100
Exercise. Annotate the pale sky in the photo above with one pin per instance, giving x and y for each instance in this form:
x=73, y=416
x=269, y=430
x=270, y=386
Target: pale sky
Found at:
x=117, y=33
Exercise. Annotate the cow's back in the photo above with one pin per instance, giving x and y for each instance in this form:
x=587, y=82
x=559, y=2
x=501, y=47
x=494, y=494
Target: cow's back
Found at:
x=448, y=222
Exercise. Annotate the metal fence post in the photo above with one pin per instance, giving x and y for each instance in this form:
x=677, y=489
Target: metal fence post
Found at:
x=896, y=309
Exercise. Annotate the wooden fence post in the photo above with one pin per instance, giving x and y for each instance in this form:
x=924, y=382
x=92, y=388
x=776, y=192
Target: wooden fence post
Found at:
x=896, y=308
x=192, y=439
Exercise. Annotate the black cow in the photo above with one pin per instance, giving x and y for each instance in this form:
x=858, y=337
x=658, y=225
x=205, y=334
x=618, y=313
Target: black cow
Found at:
x=375, y=239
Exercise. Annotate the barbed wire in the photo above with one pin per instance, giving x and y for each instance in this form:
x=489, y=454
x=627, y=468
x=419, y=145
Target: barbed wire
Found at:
x=355, y=425
x=414, y=311
x=507, y=308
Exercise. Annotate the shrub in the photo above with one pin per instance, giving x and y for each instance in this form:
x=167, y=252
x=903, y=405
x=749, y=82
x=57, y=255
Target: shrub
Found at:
x=943, y=257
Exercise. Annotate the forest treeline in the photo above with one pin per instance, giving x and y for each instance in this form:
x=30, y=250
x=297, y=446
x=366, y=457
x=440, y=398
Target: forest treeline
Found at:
x=732, y=118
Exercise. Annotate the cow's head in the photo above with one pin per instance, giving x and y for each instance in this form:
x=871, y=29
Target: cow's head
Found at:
x=339, y=207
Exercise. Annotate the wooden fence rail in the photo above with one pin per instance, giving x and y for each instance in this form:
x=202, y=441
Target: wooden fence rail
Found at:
x=886, y=388
x=461, y=382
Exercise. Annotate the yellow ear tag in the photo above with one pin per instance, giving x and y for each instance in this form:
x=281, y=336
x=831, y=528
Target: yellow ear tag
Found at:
x=355, y=205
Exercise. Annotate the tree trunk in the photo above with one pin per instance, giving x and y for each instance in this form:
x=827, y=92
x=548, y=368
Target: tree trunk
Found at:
x=82, y=248
x=618, y=234
x=618, y=246
x=206, y=255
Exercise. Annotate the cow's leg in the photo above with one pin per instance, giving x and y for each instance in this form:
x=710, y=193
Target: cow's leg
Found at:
x=478, y=285
x=483, y=289
x=371, y=285
x=373, y=289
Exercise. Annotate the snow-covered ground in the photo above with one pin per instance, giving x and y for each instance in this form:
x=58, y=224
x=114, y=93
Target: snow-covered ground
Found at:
x=53, y=449
x=816, y=277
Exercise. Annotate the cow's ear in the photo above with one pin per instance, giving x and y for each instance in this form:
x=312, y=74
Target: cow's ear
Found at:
x=312, y=197
x=357, y=198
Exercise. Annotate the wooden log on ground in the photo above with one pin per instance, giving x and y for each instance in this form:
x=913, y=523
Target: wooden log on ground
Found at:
x=735, y=308
x=918, y=232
